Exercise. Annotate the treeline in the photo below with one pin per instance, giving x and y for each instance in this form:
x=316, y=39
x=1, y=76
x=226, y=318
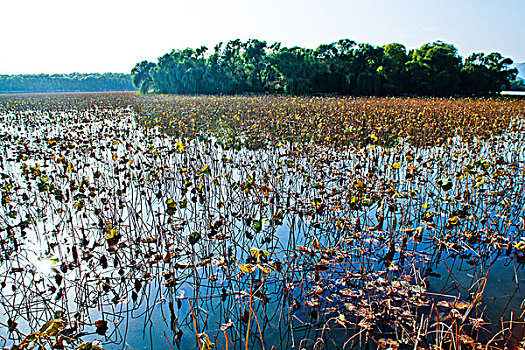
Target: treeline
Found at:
x=65, y=82
x=343, y=67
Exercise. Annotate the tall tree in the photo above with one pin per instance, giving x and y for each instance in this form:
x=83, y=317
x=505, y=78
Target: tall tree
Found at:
x=337, y=66
x=256, y=64
x=486, y=74
x=140, y=75
x=434, y=69
x=367, y=62
x=393, y=73
x=298, y=68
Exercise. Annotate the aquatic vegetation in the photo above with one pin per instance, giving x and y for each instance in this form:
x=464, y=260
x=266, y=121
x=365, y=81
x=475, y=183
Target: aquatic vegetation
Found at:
x=260, y=221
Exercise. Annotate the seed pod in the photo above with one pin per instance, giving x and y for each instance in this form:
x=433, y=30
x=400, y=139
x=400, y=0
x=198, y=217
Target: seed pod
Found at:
x=75, y=254
x=58, y=279
x=102, y=327
x=223, y=294
x=104, y=262
x=138, y=285
x=63, y=267
x=245, y=316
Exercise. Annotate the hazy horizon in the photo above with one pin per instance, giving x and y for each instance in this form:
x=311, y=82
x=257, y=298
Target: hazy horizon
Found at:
x=60, y=36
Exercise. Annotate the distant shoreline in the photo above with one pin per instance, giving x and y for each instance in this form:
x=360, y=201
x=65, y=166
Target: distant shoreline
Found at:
x=64, y=92
x=74, y=82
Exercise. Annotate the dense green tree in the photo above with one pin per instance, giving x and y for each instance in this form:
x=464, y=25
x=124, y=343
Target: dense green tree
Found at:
x=181, y=72
x=141, y=77
x=256, y=63
x=434, y=69
x=484, y=74
x=367, y=62
x=338, y=61
x=342, y=67
x=298, y=68
x=392, y=71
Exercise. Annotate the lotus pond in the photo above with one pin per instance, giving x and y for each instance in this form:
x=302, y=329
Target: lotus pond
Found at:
x=261, y=222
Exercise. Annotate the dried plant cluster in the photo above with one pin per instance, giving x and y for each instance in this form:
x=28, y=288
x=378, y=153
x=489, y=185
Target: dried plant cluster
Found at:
x=259, y=222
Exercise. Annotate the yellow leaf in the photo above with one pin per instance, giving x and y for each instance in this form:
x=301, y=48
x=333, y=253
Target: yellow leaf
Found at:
x=520, y=245
x=52, y=327
x=111, y=234
x=453, y=221
x=206, y=343
x=258, y=253
x=396, y=165
x=205, y=169
x=480, y=183
x=248, y=268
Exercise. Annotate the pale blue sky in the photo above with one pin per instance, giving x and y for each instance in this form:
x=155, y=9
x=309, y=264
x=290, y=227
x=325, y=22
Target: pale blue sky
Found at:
x=63, y=36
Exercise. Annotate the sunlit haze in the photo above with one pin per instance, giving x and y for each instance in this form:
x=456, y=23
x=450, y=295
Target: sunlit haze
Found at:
x=64, y=36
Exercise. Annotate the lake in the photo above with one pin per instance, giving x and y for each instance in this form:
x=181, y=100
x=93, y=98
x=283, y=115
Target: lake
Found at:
x=159, y=222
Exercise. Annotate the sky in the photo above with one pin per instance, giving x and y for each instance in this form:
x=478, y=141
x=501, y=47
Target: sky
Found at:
x=65, y=36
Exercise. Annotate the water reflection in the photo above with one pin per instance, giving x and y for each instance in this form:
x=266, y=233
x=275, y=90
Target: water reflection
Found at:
x=137, y=239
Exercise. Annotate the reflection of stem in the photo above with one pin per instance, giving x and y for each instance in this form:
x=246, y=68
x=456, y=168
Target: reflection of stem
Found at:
x=167, y=340
x=249, y=315
x=508, y=302
x=516, y=275
x=479, y=294
x=194, y=325
x=258, y=326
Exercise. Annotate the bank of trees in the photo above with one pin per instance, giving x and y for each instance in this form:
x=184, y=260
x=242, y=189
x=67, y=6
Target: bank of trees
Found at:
x=342, y=67
x=65, y=82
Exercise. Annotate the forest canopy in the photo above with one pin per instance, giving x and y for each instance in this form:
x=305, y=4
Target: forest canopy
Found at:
x=342, y=67
x=65, y=82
